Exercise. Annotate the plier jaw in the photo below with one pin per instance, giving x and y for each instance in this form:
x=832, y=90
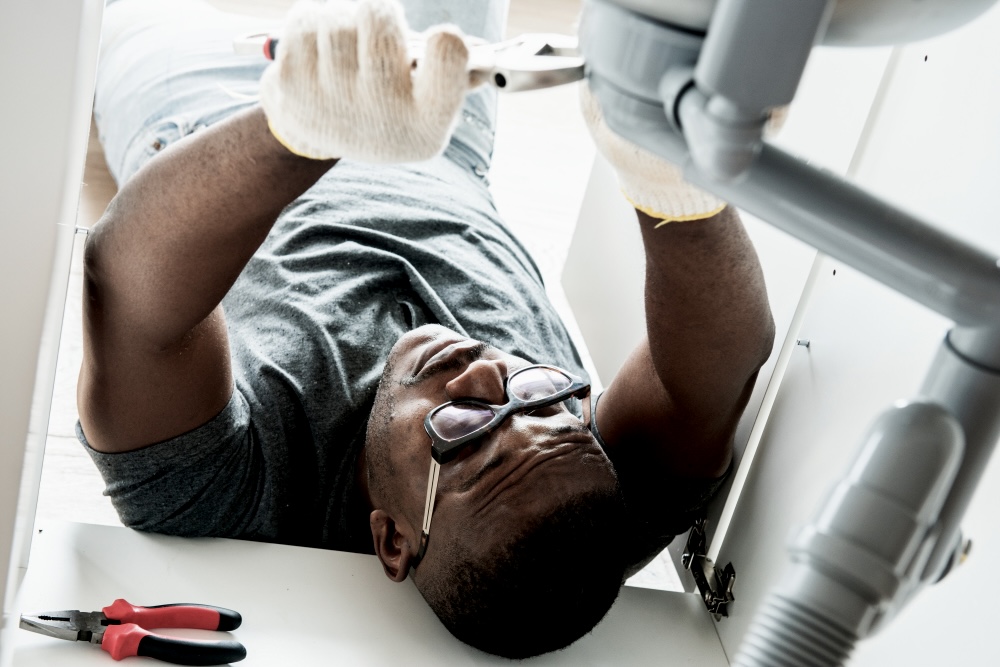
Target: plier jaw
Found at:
x=71, y=625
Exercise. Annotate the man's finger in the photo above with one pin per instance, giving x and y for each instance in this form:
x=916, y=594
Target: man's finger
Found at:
x=336, y=41
x=442, y=78
x=382, y=41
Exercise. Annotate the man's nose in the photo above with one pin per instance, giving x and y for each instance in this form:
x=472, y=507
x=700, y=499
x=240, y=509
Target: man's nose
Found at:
x=482, y=380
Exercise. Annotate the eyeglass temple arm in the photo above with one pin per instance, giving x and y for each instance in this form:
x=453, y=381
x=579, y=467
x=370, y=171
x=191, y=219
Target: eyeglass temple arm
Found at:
x=425, y=531
x=432, y=483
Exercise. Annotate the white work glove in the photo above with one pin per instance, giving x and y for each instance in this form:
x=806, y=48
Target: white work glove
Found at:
x=650, y=183
x=343, y=84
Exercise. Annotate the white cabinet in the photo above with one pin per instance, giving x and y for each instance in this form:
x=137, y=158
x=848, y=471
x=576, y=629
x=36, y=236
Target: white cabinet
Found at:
x=934, y=148
x=48, y=58
x=925, y=137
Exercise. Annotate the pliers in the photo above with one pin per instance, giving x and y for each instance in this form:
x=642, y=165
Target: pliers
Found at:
x=528, y=62
x=119, y=629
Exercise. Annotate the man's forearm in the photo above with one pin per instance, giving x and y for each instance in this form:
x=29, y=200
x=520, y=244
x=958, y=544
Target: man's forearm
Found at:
x=180, y=231
x=674, y=406
x=708, y=320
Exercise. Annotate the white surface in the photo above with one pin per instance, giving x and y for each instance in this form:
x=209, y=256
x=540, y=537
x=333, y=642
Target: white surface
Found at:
x=934, y=148
x=47, y=71
x=310, y=606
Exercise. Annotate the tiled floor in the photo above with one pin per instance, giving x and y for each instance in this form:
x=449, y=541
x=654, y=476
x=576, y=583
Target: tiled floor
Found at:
x=542, y=159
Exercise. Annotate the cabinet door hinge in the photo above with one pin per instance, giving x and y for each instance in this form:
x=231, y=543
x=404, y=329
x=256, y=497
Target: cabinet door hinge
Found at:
x=714, y=585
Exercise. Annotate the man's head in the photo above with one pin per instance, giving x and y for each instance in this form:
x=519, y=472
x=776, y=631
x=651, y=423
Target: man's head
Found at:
x=523, y=555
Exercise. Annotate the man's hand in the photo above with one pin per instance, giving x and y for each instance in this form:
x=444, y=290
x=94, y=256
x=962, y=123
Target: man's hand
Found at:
x=343, y=85
x=652, y=185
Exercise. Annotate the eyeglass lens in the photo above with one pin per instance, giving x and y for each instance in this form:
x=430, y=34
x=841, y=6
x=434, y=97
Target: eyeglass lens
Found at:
x=453, y=421
x=459, y=419
x=535, y=383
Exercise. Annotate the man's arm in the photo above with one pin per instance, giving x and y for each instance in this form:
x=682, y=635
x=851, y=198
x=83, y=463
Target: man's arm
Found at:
x=157, y=265
x=674, y=406
x=156, y=358
x=672, y=409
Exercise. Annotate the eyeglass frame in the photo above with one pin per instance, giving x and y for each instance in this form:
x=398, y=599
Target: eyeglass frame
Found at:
x=443, y=451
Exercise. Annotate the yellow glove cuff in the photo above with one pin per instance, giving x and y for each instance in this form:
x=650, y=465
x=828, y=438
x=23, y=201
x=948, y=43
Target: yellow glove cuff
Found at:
x=665, y=218
x=288, y=146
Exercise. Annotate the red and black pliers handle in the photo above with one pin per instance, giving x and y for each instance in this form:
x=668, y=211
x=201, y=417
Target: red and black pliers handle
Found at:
x=122, y=630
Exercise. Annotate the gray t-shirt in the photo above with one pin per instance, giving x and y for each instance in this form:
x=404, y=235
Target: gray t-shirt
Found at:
x=365, y=255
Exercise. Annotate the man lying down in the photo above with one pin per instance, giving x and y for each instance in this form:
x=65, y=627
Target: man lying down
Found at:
x=303, y=286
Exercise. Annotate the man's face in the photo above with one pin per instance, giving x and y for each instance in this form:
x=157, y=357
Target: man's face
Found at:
x=528, y=465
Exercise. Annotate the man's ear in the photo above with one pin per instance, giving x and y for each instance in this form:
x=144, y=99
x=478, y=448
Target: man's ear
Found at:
x=392, y=545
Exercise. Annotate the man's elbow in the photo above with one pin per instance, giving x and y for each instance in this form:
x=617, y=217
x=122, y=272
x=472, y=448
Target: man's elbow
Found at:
x=97, y=267
x=766, y=338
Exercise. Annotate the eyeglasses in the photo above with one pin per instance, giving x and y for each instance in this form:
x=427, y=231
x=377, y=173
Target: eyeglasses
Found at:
x=453, y=425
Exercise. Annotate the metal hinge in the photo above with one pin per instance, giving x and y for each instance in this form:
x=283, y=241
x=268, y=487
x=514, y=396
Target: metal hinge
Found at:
x=714, y=585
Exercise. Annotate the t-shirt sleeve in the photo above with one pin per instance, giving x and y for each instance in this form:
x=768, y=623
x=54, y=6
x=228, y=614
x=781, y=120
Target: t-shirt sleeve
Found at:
x=209, y=481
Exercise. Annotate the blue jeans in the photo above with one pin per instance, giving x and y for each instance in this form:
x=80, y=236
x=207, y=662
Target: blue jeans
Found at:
x=167, y=69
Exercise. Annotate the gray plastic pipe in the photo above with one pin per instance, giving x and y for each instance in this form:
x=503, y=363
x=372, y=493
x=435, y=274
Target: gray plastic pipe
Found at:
x=867, y=545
